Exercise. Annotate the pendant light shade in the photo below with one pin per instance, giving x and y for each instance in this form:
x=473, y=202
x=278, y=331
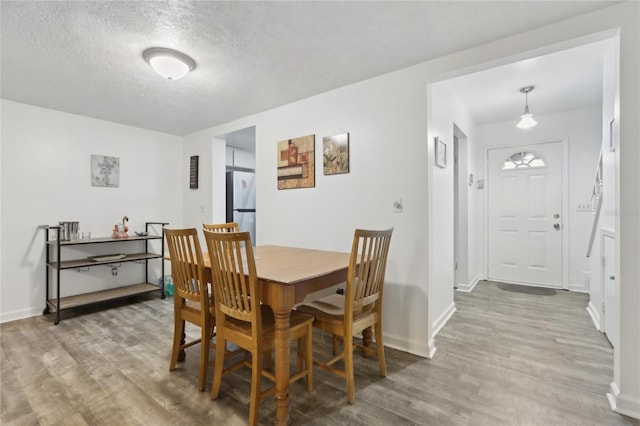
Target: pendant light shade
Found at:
x=170, y=64
x=526, y=119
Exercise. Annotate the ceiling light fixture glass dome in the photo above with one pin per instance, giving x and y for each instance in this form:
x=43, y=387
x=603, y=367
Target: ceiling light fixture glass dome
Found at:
x=526, y=119
x=169, y=63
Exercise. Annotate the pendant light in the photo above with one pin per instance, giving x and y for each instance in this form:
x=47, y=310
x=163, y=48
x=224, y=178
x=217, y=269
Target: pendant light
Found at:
x=169, y=63
x=526, y=119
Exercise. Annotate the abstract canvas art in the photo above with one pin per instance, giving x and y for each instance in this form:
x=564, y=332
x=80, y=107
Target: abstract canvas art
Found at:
x=296, y=163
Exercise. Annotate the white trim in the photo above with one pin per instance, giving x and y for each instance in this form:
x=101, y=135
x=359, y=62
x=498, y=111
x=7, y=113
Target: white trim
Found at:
x=432, y=349
x=595, y=316
x=578, y=289
x=18, y=315
x=564, y=215
x=622, y=404
x=468, y=288
x=566, y=225
x=443, y=318
x=613, y=395
x=413, y=347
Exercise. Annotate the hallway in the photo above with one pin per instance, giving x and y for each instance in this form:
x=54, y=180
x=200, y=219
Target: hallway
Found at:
x=528, y=359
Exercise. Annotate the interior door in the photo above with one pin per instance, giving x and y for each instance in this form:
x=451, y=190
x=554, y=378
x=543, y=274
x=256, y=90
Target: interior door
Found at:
x=525, y=214
x=609, y=283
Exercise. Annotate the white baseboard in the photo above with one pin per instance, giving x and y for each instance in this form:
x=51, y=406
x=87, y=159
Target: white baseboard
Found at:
x=623, y=404
x=611, y=396
x=595, y=316
x=427, y=350
x=18, y=315
x=468, y=288
x=432, y=348
x=442, y=319
x=402, y=344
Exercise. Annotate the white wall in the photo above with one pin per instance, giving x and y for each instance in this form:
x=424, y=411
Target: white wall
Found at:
x=446, y=112
x=583, y=131
x=607, y=218
x=625, y=388
x=325, y=217
x=45, y=173
x=391, y=154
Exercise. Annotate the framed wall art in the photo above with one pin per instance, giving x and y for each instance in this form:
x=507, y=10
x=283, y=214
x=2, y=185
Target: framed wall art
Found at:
x=335, y=154
x=441, y=152
x=193, y=172
x=296, y=163
x=105, y=171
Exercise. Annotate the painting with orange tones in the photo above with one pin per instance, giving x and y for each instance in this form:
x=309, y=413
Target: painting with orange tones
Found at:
x=296, y=163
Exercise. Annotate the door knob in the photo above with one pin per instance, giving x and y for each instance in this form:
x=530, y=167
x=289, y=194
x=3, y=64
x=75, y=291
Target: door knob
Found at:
x=612, y=277
x=556, y=226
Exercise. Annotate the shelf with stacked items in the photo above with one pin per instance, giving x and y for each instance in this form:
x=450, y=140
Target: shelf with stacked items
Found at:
x=56, y=303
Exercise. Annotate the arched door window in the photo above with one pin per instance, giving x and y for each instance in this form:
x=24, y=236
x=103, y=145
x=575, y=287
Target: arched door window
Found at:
x=523, y=160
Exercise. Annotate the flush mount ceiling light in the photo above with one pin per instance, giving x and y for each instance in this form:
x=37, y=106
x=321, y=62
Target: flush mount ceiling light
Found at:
x=169, y=63
x=526, y=119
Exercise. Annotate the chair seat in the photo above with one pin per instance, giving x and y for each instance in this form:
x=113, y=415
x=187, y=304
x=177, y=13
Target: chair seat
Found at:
x=195, y=305
x=330, y=309
x=298, y=319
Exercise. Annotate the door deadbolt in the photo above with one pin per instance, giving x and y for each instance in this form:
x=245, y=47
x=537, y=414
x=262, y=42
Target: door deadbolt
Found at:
x=556, y=226
x=556, y=216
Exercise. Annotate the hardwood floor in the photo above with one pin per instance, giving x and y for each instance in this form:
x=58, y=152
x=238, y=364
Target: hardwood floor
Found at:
x=504, y=358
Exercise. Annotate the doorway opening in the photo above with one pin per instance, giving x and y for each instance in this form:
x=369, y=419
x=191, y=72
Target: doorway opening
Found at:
x=462, y=180
x=240, y=179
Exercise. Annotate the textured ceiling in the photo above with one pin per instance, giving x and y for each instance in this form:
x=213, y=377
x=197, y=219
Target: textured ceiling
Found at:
x=85, y=57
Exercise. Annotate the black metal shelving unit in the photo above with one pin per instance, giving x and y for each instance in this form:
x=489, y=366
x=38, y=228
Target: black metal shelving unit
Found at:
x=54, y=265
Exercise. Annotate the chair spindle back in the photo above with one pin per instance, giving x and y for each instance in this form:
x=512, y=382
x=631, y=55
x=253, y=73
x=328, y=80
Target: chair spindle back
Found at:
x=221, y=227
x=235, y=280
x=367, y=267
x=187, y=264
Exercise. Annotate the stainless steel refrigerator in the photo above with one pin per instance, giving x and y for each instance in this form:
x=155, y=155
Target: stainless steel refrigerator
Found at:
x=241, y=201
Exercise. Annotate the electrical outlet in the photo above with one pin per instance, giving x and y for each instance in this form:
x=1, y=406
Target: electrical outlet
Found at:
x=397, y=205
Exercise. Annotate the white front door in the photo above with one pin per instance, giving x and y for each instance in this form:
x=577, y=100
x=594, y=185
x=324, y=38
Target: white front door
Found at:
x=525, y=214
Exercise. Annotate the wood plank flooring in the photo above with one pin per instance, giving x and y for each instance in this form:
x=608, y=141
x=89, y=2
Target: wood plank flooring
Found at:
x=504, y=358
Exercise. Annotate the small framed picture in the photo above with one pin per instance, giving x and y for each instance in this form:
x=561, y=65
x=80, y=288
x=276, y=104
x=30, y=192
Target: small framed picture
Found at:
x=335, y=154
x=441, y=152
x=105, y=171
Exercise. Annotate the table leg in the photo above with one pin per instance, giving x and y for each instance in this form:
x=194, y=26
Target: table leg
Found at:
x=282, y=313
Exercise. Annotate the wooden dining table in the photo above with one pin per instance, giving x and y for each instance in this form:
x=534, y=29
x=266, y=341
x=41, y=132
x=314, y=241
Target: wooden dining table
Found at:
x=285, y=276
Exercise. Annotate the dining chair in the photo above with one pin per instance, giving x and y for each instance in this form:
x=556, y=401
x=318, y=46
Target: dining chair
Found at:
x=241, y=318
x=360, y=308
x=221, y=227
x=231, y=227
x=191, y=300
